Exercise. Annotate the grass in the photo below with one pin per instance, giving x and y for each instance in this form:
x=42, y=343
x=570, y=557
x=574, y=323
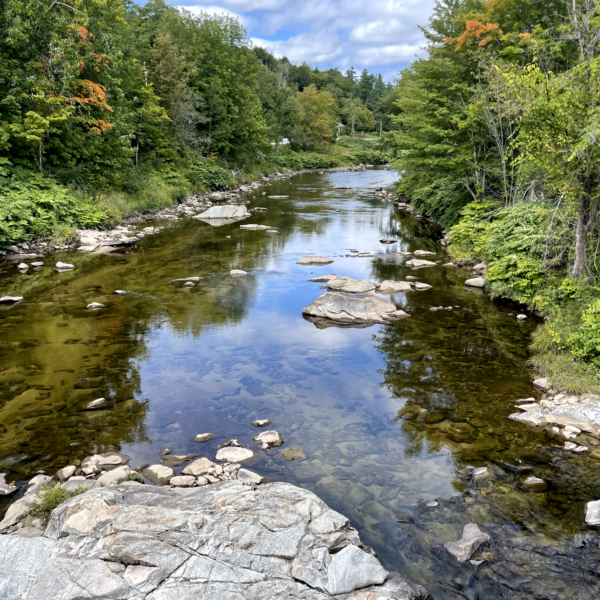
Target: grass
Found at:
x=51, y=498
x=131, y=477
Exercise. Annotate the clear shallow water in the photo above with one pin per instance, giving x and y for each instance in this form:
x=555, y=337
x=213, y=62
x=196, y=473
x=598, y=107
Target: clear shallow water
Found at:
x=389, y=416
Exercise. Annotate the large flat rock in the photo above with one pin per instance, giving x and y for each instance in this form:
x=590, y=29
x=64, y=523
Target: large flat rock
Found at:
x=349, y=285
x=229, y=540
x=225, y=214
x=351, y=309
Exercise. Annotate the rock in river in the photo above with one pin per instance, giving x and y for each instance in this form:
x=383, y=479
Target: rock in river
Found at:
x=237, y=273
x=417, y=263
x=352, y=309
x=204, y=437
x=421, y=287
x=234, y=454
x=224, y=214
x=199, y=467
x=260, y=423
x=228, y=540
x=350, y=286
x=472, y=538
x=477, y=282
x=293, y=453
x=61, y=266
x=322, y=278
x=10, y=299
x=592, y=513
x=314, y=260
x=269, y=439
x=393, y=287
x=95, y=306
x=250, y=477
x=387, y=241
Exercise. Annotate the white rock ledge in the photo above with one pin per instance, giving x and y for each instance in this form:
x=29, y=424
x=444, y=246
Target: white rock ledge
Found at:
x=229, y=540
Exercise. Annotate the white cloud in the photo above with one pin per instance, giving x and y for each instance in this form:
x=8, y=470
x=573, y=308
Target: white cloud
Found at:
x=382, y=35
x=212, y=10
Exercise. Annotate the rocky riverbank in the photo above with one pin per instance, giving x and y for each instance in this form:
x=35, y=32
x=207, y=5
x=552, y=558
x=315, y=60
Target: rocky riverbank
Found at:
x=227, y=540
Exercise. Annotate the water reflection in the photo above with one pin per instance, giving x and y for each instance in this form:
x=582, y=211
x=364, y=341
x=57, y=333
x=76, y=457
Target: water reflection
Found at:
x=389, y=416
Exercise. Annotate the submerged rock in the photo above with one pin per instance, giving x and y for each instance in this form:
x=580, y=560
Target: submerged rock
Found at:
x=176, y=460
x=95, y=306
x=314, y=260
x=323, y=278
x=237, y=273
x=472, y=538
x=224, y=214
x=293, y=453
x=423, y=253
x=421, y=287
x=352, y=309
x=61, y=266
x=535, y=484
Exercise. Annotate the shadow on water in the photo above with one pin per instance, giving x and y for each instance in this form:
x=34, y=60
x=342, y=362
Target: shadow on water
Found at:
x=391, y=417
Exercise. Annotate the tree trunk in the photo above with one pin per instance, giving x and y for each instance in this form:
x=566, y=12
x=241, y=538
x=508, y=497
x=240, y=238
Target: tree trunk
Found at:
x=277, y=147
x=581, y=237
x=352, y=125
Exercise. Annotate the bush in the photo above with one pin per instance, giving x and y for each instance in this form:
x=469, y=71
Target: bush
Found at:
x=585, y=341
x=33, y=207
x=468, y=237
x=210, y=176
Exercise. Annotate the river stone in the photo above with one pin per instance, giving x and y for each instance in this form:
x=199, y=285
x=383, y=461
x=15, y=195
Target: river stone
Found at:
x=417, y=263
x=250, y=477
x=234, y=454
x=592, y=513
x=260, y=423
x=158, y=474
x=350, y=286
x=393, y=287
x=472, y=538
x=96, y=403
x=521, y=317
x=113, y=476
x=477, y=282
x=542, y=384
x=351, y=309
x=5, y=488
x=229, y=213
x=204, y=437
x=293, y=453
x=314, y=260
x=10, y=299
x=61, y=266
x=422, y=286
x=278, y=197
x=269, y=439
x=387, y=241
x=323, y=278
x=198, y=467
x=255, y=227
x=183, y=481
x=342, y=187
x=66, y=472
x=237, y=273
x=229, y=540
x=535, y=484
x=74, y=484
x=423, y=253
x=23, y=266
x=176, y=460
x=95, y=306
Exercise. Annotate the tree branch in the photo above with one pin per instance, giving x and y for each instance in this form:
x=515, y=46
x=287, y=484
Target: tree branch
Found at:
x=56, y=2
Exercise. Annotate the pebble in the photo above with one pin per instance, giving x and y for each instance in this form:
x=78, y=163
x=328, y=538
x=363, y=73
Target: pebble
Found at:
x=204, y=437
x=37, y=264
x=535, y=484
x=96, y=403
x=166, y=451
x=95, y=306
x=260, y=423
x=237, y=273
x=61, y=266
x=23, y=267
x=432, y=504
x=521, y=317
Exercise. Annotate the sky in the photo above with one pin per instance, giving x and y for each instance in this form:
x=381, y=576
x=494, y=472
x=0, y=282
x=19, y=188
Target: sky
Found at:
x=380, y=35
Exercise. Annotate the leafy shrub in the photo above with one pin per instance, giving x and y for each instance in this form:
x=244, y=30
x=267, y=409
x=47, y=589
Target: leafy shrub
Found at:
x=211, y=176
x=468, y=236
x=442, y=199
x=585, y=341
x=35, y=207
x=50, y=498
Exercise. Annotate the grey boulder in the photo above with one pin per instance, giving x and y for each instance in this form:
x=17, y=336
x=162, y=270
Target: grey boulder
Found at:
x=393, y=287
x=225, y=214
x=314, y=260
x=349, y=285
x=478, y=282
x=417, y=263
x=228, y=540
x=351, y=309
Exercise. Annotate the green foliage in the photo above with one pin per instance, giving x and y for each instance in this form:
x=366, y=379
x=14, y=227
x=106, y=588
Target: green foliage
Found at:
x=133, y=476
x=210, y=176
x=584, y=342
x=33, y=206
x=296, y=161
x=50, y=498
x=468, y=237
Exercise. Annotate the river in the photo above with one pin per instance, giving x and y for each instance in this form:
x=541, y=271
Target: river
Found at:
x=391, y=416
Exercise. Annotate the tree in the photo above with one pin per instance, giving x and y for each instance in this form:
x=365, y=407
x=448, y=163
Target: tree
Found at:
x=351, y=109
x=318, y=112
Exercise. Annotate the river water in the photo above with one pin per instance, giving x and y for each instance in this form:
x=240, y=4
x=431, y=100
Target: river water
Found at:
x=391, y=416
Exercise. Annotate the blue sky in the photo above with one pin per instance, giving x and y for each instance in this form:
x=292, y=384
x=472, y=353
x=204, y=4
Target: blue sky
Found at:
x=381, y=35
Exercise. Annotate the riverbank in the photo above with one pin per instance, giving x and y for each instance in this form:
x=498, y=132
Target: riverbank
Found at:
x=105, y=241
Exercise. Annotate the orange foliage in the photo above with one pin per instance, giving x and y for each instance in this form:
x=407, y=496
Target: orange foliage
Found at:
x=476, y=32
x=91, y=94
